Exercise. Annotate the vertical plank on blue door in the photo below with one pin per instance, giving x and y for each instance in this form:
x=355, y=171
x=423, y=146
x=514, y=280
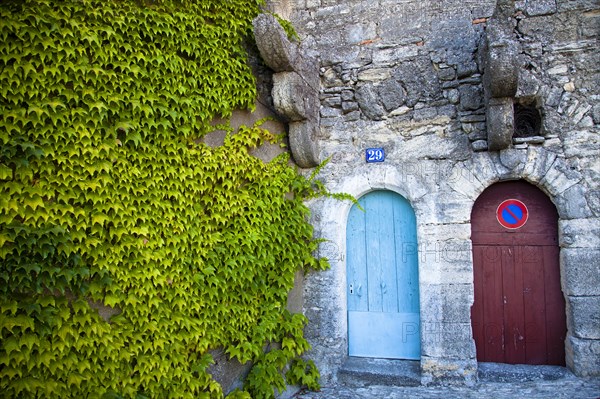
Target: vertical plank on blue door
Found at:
x=405, y=231
x=388, y=287
x=356, y=260
x=374, y=267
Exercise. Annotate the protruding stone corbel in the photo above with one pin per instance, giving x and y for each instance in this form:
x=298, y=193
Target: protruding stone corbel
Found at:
x=295, y=87
x=500, y=75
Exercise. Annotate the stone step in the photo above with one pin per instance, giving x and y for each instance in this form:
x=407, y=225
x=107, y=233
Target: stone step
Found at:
x=499, y=372
x=359, y=372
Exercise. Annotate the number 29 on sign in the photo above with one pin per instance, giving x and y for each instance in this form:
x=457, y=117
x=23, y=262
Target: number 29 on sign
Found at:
x=375, y=155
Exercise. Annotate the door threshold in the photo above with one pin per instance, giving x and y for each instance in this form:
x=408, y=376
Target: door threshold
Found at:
x=502, y=372
x=362, y=371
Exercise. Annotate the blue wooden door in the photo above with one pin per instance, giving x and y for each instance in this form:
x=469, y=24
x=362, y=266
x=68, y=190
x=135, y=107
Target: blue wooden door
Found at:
x=383, y=280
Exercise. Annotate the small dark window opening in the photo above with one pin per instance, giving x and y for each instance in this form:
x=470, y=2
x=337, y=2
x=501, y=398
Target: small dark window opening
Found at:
x=528, y=121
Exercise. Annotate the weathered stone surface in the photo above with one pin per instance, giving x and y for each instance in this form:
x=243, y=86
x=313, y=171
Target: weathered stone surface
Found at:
x=447, y=340
x=368, y=101
x=274, y=46
x=295, y=87
x=580, y=233
x=581, y=271
x=419, y=79
x=392, y=94
x=303, y=141
x=446, y=303
x=471, y=97
x=573, y=204
x=448, y=371
x=583, y=356
x=500, y=123
x=540, y=7
x=293, y=98
x=584, y=316
x=500, y=62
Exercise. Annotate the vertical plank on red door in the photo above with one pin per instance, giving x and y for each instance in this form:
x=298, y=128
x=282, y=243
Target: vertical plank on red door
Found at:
x=555, y=305
x=493, y=309
x=532, y=261
x=514, y=321
x=477, y=308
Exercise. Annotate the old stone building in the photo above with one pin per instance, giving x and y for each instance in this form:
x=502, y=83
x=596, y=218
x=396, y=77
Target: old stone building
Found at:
x=480, y=235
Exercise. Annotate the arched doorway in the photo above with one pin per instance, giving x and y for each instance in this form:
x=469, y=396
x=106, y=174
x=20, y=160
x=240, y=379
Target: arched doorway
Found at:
x=518, y=315
x=382, y=278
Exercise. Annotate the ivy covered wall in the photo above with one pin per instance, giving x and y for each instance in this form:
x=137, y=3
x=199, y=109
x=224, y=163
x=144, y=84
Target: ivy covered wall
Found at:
x=110, y=201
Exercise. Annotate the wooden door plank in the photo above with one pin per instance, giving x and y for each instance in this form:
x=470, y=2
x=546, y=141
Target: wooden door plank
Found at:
x=356, y=260
x=493, y=305
x=384, y=335
x=532, y=261
x=387, y=246
x=373, y=254
x=407, y=257
x=514, y=318
x=477, y=317
x=555, y=305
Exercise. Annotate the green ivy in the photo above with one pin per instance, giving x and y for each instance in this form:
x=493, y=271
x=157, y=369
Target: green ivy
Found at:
x=110, y=201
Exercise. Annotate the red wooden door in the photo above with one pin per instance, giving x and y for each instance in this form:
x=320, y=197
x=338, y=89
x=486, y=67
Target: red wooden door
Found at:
x=518, y=316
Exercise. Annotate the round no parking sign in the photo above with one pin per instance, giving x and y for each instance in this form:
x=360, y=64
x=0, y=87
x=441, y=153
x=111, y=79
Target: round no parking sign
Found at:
x=512, y=214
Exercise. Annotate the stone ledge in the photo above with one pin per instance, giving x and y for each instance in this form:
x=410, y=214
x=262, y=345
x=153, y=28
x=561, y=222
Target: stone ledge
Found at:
x=499, y=372
x=359, y=372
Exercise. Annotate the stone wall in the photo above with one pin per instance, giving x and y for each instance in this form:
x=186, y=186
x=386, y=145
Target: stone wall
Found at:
x=406, y=75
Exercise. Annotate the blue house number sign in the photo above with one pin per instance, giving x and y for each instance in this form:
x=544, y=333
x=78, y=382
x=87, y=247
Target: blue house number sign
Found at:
x=375, y=155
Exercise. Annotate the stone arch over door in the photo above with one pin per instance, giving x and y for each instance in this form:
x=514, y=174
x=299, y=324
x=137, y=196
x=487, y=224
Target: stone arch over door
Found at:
x=579, y=242
x=518, y=315
x=326, y=293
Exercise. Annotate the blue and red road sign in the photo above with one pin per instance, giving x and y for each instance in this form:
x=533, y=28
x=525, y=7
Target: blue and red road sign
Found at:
x=512, y=214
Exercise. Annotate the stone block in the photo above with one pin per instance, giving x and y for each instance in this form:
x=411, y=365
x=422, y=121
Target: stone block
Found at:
x=392, y=94
x=470, y=178
x=303, y=142
x=537, y=163
x=471, y=97
x=580, y=271
x=277, y=51
x=579, y=233
x=540, y=7
x=560, y=177
x=593, y=199
x=441, y=371
x=572, y=203
x=420, y=80
x=500, y=123
x=368, y=101
x=501, y=70
x=482, y=168
x=513, y=159
x=293, y=98
x=446, y=303
x=583, y=356
x=447, y=340
x=583, y=316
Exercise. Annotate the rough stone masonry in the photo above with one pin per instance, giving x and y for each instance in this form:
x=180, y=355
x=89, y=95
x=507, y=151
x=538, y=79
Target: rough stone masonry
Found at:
x=414, y=77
